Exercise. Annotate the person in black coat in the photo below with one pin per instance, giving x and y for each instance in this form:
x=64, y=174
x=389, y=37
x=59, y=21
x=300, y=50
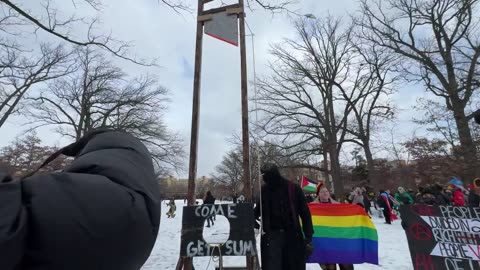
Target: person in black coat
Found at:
x=473, y=197
x=101, y=212
x=209, y=199
x=283, y=246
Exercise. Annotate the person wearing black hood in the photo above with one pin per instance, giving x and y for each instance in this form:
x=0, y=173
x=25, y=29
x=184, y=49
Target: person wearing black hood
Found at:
x=101, y=212
x=283, y=246
x=209, y=199
x=440, y=197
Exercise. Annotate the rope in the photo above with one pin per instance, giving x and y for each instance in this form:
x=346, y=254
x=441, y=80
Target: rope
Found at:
x=212, y=257
x=256, y=121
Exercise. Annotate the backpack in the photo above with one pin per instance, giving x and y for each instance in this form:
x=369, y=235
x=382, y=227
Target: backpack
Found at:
x=381, y=202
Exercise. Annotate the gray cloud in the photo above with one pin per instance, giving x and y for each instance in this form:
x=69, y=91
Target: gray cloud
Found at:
x=158, y=32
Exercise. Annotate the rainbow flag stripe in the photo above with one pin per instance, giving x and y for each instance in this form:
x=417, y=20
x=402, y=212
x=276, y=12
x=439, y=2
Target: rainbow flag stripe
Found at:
x=343, y=233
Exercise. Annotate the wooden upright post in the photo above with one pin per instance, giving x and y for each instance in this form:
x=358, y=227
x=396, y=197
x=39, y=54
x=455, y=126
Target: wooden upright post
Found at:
x=247, y=190
x=197, y=76
x=186, y=263
x=247, y=187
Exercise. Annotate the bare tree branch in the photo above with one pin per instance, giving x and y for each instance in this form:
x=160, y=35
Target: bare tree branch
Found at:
x=19, y=74
x=438, y=42
x=99, y=94
x=121, y=49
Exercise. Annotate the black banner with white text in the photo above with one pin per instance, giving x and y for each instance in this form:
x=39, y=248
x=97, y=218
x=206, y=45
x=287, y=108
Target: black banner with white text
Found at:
x=442, y=237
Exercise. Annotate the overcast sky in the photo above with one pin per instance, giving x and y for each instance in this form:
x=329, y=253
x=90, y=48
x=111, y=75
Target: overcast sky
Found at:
x=158, y=32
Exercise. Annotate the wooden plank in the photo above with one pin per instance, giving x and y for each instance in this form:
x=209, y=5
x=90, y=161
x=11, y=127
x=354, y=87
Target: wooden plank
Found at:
x=205, y=17
x=238, y=10
x=220, y=9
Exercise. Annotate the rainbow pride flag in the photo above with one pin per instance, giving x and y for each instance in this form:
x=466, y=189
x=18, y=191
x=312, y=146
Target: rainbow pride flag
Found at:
x=343, y=233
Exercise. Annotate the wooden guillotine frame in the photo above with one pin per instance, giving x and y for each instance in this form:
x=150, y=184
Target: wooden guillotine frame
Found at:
x=202, y=17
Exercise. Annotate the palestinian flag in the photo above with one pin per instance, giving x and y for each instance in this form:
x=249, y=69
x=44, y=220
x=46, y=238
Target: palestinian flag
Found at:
x=308, y=184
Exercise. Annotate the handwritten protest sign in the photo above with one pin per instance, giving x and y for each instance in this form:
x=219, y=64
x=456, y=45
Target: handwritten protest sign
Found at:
x=442, y=237
x=241, y=241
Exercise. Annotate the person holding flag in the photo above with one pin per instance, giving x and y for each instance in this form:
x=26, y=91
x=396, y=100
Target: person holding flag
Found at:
x=324, y=197
x=385, y=202
x=344, y=234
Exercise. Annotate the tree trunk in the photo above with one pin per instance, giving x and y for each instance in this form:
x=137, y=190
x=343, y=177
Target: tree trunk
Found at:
x=467, y=146
x=371, y=179
x=335, y=170
x=326, y=175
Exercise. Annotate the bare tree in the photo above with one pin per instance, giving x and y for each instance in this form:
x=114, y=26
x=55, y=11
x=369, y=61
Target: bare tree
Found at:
x=26, y=154
x=432, y=161
x=439, y=44
x=438, y=120
x=19, y=73
x=302, y=102
x=230, y=171
x=100, y=94
x=369, y=97
x=52, y=22
x=59, y=26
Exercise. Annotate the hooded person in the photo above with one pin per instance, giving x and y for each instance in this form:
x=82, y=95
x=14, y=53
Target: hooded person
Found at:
x=101, y=212
x=473, y=197
x=356, y=197
x=385, y=202
x=403, y=197
x=283, y=245
x=458, y=199
x=209, y=199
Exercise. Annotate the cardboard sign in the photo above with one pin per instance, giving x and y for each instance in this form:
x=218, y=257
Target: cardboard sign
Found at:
x=241, y=241
x=442, y=237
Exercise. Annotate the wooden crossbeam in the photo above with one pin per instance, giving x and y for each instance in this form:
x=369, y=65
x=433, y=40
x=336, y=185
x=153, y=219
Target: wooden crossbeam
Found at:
x=220, y=9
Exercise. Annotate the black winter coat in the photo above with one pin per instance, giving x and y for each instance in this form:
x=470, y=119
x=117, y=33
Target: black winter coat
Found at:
x=209, y=200
x=473, y=199
x=101, y=213
x=277, y=215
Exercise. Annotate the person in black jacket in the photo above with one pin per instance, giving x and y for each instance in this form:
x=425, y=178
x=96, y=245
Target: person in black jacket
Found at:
x=102, y=212
x=209, y=199
x=283, y=246
x=473, y=197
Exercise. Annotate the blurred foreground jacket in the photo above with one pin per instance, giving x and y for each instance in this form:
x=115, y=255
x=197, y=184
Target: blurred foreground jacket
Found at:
x=101, y=212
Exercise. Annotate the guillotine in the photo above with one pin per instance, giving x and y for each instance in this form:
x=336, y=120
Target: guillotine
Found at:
x=226, y=23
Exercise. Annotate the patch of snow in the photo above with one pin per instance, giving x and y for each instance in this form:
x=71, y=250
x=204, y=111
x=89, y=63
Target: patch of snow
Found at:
x=393, y=247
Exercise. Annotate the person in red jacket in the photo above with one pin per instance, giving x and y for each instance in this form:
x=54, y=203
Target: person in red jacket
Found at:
x=458, y=199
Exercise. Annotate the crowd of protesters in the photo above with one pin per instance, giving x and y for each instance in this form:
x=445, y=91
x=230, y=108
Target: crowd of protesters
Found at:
x=387, y=202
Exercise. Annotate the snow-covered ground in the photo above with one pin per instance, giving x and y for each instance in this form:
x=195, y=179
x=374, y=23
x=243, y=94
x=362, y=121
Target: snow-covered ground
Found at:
x=393, y=247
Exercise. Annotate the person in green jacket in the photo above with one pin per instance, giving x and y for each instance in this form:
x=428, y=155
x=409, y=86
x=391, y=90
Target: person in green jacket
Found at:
x=403, y=197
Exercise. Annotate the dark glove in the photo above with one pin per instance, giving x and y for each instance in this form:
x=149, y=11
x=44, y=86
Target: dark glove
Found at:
x=308, y=248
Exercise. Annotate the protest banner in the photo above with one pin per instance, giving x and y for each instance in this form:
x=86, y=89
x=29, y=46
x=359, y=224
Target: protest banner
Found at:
x=241, y=241
x=442, y=237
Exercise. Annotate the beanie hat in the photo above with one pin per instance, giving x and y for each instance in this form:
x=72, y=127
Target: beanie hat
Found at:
x=319, y=186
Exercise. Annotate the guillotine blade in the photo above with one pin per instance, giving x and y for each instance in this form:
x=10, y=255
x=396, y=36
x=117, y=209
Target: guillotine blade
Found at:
x=224, y=27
